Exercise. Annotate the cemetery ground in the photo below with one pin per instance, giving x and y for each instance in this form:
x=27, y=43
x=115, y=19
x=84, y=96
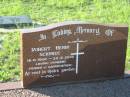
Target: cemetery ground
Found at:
x=52, y=11
x=113, y=88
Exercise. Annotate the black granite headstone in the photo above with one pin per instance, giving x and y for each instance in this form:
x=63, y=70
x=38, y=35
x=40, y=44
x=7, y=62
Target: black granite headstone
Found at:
x=72, y=52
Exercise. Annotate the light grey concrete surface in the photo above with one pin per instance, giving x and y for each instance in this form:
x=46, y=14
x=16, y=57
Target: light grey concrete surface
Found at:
x=113, y=88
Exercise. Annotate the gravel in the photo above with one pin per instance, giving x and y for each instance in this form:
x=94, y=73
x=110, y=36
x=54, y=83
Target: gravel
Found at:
x=113, y=88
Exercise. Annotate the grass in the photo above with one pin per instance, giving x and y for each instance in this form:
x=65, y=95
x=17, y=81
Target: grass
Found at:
x=9, y=57
x=52, y=11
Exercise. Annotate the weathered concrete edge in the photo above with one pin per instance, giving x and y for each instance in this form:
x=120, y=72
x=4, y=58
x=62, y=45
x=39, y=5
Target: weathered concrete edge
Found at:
x=127, y=74
x=10, y=86
x=18, y=85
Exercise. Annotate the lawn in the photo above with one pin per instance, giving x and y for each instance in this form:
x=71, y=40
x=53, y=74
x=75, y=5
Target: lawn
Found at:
x=53, y=11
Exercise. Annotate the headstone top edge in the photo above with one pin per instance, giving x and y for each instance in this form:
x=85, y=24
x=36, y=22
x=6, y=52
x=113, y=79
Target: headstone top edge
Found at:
x=51, y=26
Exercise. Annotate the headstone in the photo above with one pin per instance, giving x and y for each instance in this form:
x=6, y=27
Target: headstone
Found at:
x=14, y=21
x=72, y=52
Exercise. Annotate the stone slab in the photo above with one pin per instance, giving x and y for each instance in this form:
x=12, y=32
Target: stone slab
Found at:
x=72, y=51
x=10, y=85
x=14, y=21
x=113, y=88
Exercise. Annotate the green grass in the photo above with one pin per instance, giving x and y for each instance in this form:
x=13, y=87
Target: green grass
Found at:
x=52, y=11
x=9, y=57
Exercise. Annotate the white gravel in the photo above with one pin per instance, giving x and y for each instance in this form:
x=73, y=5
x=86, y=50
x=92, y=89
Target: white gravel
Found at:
x=113, y=88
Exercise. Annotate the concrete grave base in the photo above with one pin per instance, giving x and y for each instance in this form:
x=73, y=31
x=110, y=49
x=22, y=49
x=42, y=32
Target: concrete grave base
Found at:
x=10, y=85
x=108, y=88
